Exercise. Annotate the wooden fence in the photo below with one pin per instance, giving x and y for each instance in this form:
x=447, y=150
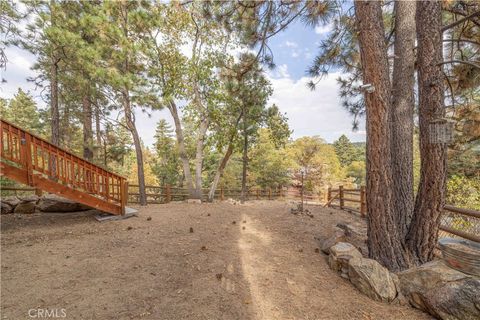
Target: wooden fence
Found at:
x=456, y=222
x=167, y=193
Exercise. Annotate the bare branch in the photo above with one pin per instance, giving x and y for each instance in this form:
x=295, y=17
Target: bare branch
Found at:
x=456, y=23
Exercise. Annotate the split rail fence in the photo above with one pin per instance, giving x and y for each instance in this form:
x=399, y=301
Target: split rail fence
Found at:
x=455, y=222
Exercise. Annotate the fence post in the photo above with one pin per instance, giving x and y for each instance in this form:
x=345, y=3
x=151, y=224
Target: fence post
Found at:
x=329, y=194
x=168, y=194
x=222, y=195
x=258, y=196
x=342, y=202
x=363, y=201
x=123, y=194
x=269, y=193
x=38, y=192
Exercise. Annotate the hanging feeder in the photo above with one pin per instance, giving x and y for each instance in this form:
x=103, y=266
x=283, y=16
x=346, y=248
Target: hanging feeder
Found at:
x=440, y=131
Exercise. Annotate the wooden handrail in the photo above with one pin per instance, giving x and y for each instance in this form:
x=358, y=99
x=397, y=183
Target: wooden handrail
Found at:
x=36, y=162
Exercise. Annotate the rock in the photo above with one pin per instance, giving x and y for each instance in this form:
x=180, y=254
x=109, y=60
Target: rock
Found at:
x=25, y=207
x=456, y=300
x=197, y=201
x=356, y=234
x=233, y=201
x=372, y=279
x=339, y=256
x=338, y=236
x=442, y=291
x=5, y=207
x=11, y=201
x=30, y=198
x=54, y=203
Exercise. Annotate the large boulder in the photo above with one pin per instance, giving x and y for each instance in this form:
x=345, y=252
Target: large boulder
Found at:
x=25, y=207
x=337, y=236
x=11, y=201
x=339, y=256
x=456, y=300
x=29, y=198
x=54, y=203
x=356, y=234
x=5, y=207
x=372, y=279
x=442, y=291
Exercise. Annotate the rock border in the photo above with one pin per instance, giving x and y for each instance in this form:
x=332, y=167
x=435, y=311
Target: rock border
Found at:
x=434, y=287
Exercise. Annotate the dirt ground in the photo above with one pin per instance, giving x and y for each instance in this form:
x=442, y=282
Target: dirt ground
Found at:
x=252, y=261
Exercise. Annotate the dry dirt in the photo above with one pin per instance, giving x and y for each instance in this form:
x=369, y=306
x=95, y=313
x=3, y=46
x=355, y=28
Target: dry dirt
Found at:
x=252, y=261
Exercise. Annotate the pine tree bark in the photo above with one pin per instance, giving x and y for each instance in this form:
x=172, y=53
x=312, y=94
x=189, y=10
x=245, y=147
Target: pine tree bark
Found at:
x=384, y=241
x=402, y=113
x=54, y=108
x=423, y=232
x=87, y=128
x=182, y=152
x=98, y=132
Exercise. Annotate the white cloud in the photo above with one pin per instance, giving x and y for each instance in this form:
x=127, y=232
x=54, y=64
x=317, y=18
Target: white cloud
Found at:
x=291, y=44
x=280, y=71
x=323, y=29
x=316, y=112
x=295, y=54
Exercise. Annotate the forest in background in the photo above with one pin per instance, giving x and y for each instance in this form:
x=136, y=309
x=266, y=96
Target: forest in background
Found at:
x=100, y=63
x=272, y=166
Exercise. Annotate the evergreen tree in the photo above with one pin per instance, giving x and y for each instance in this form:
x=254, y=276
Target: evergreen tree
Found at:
x=167, y=164
x=23, y=112
x=344, y=150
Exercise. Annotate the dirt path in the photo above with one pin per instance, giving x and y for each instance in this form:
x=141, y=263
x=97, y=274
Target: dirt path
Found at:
x=257, y=262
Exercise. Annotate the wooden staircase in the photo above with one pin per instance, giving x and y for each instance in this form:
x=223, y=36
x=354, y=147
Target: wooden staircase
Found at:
x=36, y=162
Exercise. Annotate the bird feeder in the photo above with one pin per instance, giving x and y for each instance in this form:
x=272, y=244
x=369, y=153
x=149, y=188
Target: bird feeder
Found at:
x=440, y=131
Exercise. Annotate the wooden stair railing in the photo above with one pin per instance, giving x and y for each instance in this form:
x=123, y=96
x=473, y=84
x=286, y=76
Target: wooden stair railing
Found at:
x=36, y=162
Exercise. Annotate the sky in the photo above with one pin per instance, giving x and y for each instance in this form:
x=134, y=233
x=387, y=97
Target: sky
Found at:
x=310, y=113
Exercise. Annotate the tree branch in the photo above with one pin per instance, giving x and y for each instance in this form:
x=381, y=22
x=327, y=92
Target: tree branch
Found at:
x=456, y=23
x=460, y=61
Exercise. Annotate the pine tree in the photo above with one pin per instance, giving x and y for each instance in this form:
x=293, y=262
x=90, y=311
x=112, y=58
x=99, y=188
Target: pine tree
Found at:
x=167, y=164
x=22, y=111
x=344, y=150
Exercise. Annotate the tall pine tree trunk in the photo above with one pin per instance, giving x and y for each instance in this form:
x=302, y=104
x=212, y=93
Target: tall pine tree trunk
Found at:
x=423, y=232
x=182, y=152
x=384, y=242
x=98, y=132
x=87, y=128
x=54, y=107
x=402, y=113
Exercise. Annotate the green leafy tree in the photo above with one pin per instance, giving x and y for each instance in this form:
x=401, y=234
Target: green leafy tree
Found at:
x=270, y=165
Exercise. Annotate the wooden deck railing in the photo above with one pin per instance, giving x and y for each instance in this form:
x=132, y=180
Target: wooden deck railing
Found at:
x=36, y=162
x=459, y=222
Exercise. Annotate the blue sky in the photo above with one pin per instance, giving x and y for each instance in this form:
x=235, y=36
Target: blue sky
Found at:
x=310, y=113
